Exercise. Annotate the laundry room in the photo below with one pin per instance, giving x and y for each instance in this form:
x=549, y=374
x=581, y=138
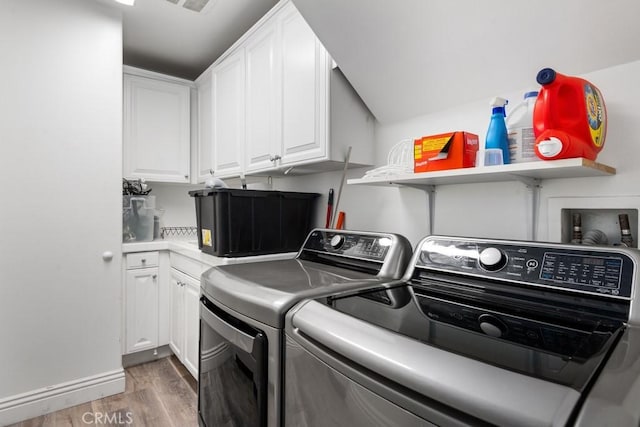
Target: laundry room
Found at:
x=286, y=212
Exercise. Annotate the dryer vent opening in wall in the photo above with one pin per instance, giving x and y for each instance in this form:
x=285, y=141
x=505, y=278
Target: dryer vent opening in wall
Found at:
x=599, y=226
x=601, y=219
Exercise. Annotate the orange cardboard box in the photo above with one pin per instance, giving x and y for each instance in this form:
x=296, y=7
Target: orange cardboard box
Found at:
x=451, y=150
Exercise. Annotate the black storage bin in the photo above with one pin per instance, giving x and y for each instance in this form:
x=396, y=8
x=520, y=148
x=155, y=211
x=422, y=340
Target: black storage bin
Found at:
x=236, y=223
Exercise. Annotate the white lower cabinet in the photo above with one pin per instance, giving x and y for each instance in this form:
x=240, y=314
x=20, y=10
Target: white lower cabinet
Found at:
x=192, y=326
x=184, y=329
x=176, y=314
x=141, y=302
x=162, y=304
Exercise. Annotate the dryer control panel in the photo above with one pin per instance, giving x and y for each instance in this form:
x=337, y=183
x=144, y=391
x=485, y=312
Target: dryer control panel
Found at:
x=381, y=254
x=595, y=270
x=368, y=246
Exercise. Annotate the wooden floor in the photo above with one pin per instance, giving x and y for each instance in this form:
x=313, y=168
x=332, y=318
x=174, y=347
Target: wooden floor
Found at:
x=158, y=394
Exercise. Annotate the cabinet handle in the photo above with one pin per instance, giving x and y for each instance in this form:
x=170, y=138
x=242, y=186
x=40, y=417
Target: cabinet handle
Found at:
x=274, y=158
x=211, y=172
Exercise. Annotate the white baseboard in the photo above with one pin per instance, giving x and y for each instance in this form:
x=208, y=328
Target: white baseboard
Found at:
x=50, y=399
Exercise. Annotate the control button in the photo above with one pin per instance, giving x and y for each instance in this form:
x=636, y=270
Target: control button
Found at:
x=337, y=241
x=492, y=259
x=492, y=326
x=532, y=263
x=532, y=335
x=457, y=315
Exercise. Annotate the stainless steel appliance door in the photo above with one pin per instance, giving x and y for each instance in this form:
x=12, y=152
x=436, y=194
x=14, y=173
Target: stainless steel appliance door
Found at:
x=319, y=395
x=440, y=387
x=232, y=386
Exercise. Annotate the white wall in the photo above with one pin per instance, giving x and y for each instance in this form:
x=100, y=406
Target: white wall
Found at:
x=500, y=210
x=179, y=207
x=61, y=165
x=397, y=210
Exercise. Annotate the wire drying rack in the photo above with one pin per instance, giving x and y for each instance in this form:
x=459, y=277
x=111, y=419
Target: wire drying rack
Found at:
x=178, y=232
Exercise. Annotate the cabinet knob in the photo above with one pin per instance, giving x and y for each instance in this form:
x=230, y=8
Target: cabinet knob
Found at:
x=143, y=260
x=186, y=177
x=107, y=256
x=154, y=277
x=211, y=172
x=275, y=158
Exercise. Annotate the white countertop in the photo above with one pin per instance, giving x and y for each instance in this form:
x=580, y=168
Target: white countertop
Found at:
x=190, y=249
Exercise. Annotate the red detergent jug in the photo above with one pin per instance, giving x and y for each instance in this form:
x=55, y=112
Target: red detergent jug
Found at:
x=569, y=117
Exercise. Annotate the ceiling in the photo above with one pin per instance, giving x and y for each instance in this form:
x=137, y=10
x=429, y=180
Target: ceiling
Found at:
x=171, y=39
x=407, y=58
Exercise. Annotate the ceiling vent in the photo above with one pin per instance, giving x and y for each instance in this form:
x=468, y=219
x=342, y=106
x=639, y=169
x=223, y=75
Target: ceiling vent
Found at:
x=194, y=5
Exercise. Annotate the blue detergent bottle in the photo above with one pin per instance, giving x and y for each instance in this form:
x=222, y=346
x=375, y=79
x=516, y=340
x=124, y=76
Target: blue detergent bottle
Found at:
x=497, y=134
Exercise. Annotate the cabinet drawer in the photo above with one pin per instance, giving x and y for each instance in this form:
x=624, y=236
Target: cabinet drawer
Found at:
x=142, y=260
x=188, y=265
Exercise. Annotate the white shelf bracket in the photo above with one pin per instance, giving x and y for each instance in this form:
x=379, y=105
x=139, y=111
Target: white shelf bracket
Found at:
x=533, y=185
x=431, y=201
x=530, y=174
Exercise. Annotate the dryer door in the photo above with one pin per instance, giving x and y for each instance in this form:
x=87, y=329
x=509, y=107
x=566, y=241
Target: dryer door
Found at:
x=232, y=386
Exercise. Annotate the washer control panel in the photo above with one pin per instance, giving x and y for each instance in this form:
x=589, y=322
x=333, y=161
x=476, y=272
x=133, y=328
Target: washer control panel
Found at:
x=596, y=270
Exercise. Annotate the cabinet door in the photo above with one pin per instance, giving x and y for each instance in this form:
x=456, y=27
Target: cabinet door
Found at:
x=156, y=129
x=305, y=80
x=141, y=302
x=176, y=325
x=191, y=325
x=228, y=115
x=262, y=99
x=205, y=127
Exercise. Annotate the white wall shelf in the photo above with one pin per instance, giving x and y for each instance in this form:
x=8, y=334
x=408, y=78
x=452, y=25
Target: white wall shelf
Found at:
x=527, y=172
x=531, y=174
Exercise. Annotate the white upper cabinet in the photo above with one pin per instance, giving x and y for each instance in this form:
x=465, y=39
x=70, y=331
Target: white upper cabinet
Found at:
x=305, y=73
x=263, y=85
x=274, y=95
x=204, y=156
x=156, y=127
x=228, y=115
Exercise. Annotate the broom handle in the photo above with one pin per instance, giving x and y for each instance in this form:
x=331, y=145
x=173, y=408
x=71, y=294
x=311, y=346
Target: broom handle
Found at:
x=344, y=177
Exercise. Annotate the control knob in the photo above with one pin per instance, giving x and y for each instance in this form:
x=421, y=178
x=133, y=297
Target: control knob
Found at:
x=337, y=241
x=492, y=326
x=492, y=259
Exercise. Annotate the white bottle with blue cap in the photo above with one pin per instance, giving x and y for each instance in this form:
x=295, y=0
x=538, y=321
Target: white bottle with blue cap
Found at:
x=520, y=130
